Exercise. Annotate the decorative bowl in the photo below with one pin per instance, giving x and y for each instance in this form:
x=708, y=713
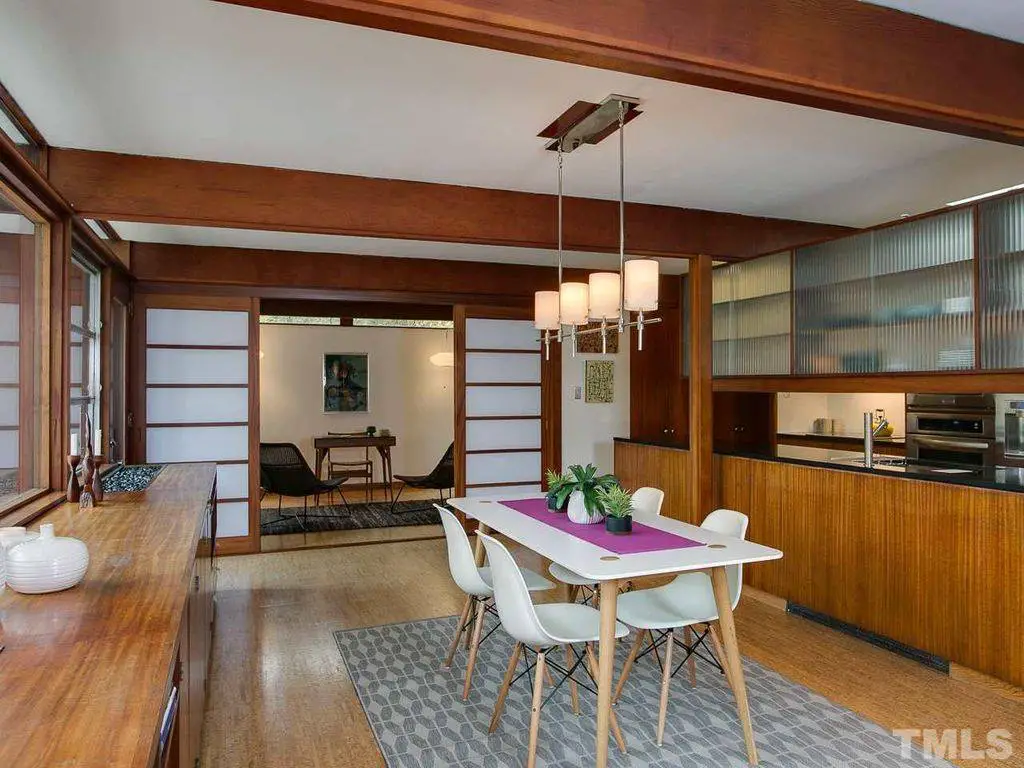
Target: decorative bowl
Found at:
x=46, y=564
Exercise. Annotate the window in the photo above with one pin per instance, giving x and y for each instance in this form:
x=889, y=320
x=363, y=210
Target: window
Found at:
x=84, y=293
x=24, y=408
x=14, y=124
x=298, y=320
x=374, y=322
x=117, y=425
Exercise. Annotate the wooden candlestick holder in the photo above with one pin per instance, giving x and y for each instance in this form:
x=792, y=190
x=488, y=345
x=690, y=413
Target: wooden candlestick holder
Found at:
x=86, y=498
x=97, y=483
x=74, y=489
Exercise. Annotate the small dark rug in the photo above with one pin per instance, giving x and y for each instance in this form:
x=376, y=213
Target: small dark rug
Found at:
x=339, y=517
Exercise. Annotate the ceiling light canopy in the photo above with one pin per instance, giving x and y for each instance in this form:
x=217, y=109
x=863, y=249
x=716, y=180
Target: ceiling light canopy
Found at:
x=607, y=297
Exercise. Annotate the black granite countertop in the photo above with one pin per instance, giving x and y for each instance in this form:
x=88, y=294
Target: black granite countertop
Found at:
x=893, y=440
x=998, y=478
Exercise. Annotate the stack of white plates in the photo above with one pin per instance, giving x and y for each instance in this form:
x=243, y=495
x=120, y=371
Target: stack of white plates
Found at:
x=46, y=564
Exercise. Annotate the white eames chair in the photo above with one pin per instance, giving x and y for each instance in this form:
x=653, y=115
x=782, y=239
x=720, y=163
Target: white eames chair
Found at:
x=476, y=583
x=540, y=629
x=686, y=602
x=646, y=503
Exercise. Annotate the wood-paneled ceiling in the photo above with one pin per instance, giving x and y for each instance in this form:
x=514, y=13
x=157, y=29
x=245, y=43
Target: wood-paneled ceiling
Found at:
x=204, y=80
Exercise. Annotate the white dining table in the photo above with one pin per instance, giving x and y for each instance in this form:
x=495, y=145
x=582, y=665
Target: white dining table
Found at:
x=610, y=570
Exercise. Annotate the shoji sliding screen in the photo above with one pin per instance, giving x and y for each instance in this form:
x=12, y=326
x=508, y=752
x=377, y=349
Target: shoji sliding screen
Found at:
x=200, y=382
x=507, y=421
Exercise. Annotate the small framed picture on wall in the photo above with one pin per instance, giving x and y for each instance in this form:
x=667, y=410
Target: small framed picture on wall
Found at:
x=346, y=379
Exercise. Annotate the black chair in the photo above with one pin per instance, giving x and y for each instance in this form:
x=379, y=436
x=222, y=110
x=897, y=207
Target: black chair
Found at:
x=441, y=477
x=284, y=471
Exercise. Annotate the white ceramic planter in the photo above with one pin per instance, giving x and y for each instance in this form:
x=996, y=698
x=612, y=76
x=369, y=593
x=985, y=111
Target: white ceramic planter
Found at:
x=577, y=511
x=46, y=564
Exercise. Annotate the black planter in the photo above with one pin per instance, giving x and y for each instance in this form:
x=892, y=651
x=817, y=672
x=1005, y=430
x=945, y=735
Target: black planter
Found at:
x=553, y=504
x=619, y=525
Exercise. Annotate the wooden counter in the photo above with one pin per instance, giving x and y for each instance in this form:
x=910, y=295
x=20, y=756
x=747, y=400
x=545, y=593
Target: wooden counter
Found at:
x=86, y=673
x=936, y=566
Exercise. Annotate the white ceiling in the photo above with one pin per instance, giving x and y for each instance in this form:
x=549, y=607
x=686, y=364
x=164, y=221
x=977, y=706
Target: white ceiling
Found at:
x=1002, y=18
x=371, y=246
x=205, y=80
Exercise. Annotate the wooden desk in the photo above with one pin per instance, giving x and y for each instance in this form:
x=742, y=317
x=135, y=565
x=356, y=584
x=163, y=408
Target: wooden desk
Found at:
x=86, y=673
x=322, y=445
x=609, y=571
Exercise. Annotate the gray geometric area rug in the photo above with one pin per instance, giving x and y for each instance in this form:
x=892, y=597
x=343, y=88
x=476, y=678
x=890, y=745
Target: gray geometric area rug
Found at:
x=416, y=711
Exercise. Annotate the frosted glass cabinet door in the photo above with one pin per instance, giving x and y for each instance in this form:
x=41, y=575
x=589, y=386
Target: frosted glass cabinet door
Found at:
x=1001, y=245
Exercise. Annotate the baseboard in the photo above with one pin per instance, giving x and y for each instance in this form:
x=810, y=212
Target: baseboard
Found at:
x=235, y=545
x=993, y=684
x=766, y=598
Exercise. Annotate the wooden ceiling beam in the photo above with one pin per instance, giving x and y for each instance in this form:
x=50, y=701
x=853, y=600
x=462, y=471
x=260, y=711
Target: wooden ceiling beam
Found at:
x=116, y=187
x=350, y=277
x=841, y=55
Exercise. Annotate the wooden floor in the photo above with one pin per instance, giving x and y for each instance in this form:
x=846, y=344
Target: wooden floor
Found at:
x=279, y=695
x=317, y=539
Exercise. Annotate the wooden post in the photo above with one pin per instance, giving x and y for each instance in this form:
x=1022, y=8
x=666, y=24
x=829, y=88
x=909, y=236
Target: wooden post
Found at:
x=702, y=492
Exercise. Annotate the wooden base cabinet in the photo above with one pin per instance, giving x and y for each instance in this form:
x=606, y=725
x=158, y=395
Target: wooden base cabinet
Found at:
x=194, y=645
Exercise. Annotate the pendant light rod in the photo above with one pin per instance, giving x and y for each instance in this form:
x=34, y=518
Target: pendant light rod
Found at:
x=622, y=217
x=560, y=157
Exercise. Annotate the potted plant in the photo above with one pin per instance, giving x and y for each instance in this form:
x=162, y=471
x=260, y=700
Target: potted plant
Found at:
x=558, y=490
x=618, y=508
x=583, y=484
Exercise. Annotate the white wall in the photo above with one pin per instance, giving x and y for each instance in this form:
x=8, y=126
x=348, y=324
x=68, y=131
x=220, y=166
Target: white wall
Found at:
x=588, y=428
x=408, y=394
x=798, y=410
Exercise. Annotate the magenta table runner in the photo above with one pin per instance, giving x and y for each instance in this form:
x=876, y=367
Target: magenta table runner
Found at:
x=642, y=539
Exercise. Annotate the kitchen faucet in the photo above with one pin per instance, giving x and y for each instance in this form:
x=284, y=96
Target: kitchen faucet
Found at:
x=870, y=433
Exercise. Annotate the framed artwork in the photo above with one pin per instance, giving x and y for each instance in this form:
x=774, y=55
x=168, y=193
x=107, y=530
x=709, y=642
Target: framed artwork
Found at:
x=591, y=344
x=599, y=381
x=346, y=379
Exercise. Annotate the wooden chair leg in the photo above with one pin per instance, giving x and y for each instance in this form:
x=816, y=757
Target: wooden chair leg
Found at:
x=666, y=678
x=474, y=645
x=538, y=698
x=691, y=662
x=466, y=607
x=574, y=593
x=613, y=722
x=573, y=690
x=499, y=705
x=628, y=666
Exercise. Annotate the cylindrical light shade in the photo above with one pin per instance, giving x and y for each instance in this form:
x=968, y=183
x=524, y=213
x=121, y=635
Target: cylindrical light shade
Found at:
x=641, y=294
x=574, y=303
x=604, y=296
x=545, y=311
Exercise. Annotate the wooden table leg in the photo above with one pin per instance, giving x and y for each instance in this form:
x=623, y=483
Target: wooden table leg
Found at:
x=720, y=585
x=480, y=552
x=321, y=454
x=385, y=470
x=605, y=664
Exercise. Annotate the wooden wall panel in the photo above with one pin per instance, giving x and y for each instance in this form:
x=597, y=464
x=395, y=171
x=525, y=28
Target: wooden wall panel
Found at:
x=665, y=468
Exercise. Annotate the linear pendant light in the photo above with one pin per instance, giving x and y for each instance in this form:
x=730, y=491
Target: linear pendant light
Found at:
x=607, y=297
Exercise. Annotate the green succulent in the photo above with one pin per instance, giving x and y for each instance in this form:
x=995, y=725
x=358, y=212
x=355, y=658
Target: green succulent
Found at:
x=616, y=501
x=589, y=483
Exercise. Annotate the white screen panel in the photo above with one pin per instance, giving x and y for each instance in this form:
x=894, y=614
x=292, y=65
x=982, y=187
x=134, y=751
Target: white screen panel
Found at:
x=197, y=366
x=170, y=406
x=483, y=367
x=233, y=519
x=10, y=322
x=9, y=449
x=197, y=327
x=196, y=444
x=503, y=401
x=491, y=435
x=501, y=334
x=504, y=492
x=76, y=364
x=8, y=365
x=502, y=467
x=232, y=481
x=8, y=407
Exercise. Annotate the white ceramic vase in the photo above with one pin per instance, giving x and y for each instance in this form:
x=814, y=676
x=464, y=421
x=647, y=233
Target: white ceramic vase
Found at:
x=577, y=510
x=46, y=564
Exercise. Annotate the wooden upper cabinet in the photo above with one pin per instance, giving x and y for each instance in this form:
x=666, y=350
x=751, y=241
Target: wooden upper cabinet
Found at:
x=659, y=395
